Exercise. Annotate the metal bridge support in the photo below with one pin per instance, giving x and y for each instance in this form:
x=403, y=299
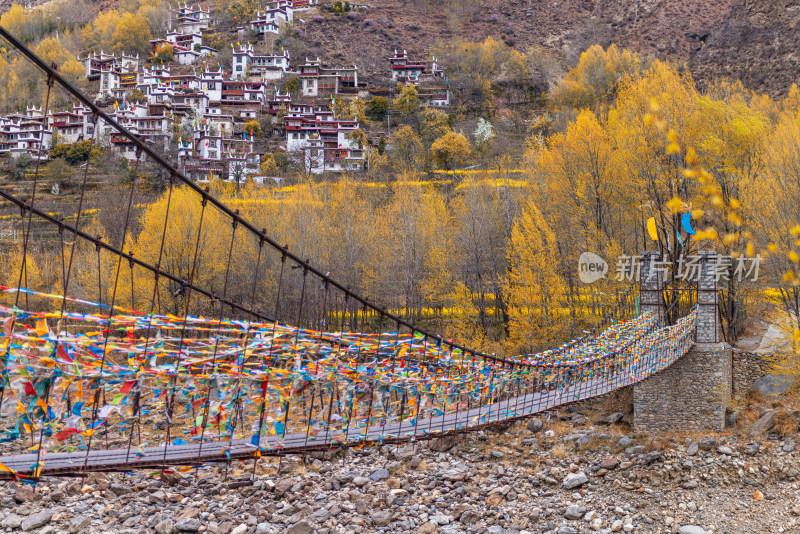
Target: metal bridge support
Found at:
x=693, y=393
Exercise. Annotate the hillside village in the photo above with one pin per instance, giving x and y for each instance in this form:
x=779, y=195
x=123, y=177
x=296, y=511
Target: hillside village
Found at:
x=207, y=114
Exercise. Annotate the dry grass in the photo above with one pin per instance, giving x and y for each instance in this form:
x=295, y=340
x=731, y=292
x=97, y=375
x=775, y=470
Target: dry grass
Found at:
x=786, y=423
x=560, y=451
x=620, y=400
x=558, y=426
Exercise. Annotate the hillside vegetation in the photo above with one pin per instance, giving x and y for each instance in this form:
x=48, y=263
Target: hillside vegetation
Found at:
x=472, y=217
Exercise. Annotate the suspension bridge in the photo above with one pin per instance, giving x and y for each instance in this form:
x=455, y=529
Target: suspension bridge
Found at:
x=295, y=363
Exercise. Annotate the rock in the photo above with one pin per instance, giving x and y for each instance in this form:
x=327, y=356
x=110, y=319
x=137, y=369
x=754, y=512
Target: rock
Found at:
x=691, y=529
x=119, y=489
x=757, y=495
x=241, y=529
x=692, y=449
x=79, y=522
x=616, y=526
x=469, y=517
x=167, y=526
x=707, y=444
x=381, y=518
x=610, y=419
x=494, y=499
x=763, y=425
x=573, y=480
x=12, y=521
x=187, y=513
x=624, y=442
x=732, y=418
x=187, y=524
x=320, y=516
x=454, y=475
x=566, y=529
x=752, y=449
x=653, y=456
x=701, y=35
x=610, y=463
x=360, y=482
x=535, y=424
x=36, y=520
x=283, y=486
x=301, y=527
x=690, y=484
x=24, y=494
x=574, y=512
x=725, y=450
x=441, y=519
x=380, y=474
x=361, y=506
x=497, y=454
x=772, y=385
x=789, y=446
x=578, y=420
x=443, y=444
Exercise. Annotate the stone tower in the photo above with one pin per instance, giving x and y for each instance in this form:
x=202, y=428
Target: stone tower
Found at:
x=693, y=393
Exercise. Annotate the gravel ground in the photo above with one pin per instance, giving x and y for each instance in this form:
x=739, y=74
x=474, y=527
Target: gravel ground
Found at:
x=560, y=474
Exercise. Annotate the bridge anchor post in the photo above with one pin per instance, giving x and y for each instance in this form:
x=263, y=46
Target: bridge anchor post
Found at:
x=692, y=394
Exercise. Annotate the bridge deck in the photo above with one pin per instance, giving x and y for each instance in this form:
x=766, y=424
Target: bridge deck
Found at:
x=196, y=453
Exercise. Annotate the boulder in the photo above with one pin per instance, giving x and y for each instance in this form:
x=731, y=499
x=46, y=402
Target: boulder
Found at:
x=610, y=463
x=39, y=519
x=301, y=527
x=610, y=419
x=535, y=424
x=573, y=480
x=763, y=425
x=772, y=385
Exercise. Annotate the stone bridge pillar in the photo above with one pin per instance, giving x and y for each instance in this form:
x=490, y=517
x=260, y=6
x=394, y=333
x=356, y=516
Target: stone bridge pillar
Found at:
x=651, y=285
x=693, y=393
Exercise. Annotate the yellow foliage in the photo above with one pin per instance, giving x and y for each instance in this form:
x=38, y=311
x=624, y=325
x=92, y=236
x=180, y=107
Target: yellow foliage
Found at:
x=407, y=103
x=534, y=285
x=406, y=149
x=596, y=78
x=451, y=150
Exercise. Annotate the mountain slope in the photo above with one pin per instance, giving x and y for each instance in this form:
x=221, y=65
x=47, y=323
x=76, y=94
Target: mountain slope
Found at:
x=757, y=44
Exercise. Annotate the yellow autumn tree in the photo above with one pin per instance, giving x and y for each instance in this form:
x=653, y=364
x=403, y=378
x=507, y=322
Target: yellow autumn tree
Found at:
x=451, y=150
x=52, y=51
x=407, y=103
x=99, y=33
x=132, y=34
x=183, y=258
x=406, y=151
x=596, y=78
x=534, y=285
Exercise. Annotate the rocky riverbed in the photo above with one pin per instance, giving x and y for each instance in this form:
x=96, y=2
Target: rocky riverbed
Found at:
x=559, y=474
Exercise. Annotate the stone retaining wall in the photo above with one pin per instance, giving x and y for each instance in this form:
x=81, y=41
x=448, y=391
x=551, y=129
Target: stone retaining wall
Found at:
x=747, y=368
x=690, y=395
